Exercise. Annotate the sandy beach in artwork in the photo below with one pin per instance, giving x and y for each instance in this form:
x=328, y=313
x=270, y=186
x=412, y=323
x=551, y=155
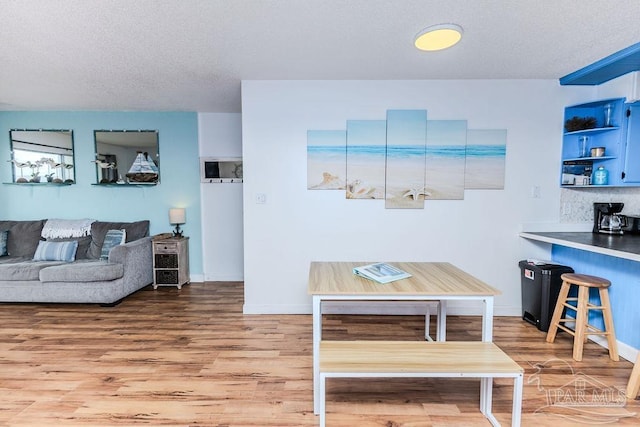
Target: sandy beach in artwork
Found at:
x=485, y=173
x=445, y=180
x=326, y=174
x=404, y=182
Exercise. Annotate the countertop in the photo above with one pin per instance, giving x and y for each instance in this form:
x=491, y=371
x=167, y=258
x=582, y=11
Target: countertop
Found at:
x=622, y=246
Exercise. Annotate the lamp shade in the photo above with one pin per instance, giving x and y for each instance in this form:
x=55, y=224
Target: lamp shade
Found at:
x=177, y=216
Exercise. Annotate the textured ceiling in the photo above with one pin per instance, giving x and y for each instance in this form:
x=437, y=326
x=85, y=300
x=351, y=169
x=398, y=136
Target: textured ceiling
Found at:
x=190, y=55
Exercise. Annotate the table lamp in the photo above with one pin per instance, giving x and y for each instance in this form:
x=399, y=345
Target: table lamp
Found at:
x=177, y=216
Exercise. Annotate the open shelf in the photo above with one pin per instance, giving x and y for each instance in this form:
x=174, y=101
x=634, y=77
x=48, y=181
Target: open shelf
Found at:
x=128, y=184
x=40, y=184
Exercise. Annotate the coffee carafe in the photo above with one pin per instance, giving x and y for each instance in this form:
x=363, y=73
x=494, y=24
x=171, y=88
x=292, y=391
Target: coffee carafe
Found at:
x=607, y=218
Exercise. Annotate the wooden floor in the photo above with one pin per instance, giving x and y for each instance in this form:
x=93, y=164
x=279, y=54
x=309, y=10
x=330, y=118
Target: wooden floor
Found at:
x=190, y=358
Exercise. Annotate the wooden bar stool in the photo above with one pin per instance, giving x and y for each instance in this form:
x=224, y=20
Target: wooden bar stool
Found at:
x=634, y=380
x=582, y=307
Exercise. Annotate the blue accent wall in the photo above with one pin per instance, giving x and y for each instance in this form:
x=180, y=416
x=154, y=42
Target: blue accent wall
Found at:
x=179, y=174
x=624, y=291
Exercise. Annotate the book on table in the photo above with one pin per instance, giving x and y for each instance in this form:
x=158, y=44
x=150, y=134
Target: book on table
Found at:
x=380, y=272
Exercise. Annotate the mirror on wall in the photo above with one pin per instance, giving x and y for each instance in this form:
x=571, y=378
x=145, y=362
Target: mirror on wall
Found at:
x=42, y=156
x=127, y=157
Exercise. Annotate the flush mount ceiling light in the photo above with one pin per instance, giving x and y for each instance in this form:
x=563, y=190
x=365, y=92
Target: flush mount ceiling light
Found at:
x=438, y=37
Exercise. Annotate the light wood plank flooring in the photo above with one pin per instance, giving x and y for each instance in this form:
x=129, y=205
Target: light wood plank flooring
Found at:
x=191, y=358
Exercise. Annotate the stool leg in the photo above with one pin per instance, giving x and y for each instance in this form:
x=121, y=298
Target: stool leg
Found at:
x=608, y=324
x=557, y=312
x=581, y=322
x=634, y=380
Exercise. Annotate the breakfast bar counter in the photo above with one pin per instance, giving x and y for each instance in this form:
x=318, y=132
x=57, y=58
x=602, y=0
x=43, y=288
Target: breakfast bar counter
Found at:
x=626, y=246
x=614, y=257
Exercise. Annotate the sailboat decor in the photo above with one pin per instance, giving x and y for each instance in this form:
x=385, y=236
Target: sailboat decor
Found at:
x=143, y=169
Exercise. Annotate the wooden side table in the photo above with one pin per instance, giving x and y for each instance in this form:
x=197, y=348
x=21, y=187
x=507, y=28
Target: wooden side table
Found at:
x=171, y=262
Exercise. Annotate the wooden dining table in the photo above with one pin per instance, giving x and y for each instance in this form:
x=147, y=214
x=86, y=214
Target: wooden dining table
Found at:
x=429, y=281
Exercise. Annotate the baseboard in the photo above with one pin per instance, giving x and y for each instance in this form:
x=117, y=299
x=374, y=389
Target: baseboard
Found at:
x=624, y=350
x=196, y=278
x=223, y=278
x=276, y=309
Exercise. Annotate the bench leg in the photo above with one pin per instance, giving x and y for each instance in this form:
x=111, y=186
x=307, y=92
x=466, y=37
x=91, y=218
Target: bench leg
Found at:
x=486, y=392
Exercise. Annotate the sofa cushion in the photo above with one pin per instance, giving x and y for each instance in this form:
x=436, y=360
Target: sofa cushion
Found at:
x=82, y=271
x=135, y=230
x=24, y=271
x=23, y=236
x=3, y=242
x=56, y=251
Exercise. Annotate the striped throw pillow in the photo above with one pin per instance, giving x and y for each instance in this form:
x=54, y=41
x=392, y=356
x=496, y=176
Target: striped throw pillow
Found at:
x=56, y=251
x=3, y=242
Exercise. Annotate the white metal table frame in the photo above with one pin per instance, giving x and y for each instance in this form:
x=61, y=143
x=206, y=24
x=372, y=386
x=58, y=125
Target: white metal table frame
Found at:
x=487, y=327
x=485, y=388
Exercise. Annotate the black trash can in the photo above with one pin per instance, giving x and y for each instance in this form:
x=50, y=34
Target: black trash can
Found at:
x=540, y=288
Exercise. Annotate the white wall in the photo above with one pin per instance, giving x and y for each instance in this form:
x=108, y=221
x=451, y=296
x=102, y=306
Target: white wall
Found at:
x=479, y=234
x=220, y=135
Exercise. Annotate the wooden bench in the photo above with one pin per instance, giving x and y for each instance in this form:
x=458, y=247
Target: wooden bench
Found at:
x=377, y=359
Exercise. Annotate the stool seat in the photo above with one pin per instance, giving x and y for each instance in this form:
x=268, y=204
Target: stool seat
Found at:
x=586, y=280
x=582, y=306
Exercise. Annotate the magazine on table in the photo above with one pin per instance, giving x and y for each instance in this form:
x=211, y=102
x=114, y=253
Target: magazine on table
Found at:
x=380, y=272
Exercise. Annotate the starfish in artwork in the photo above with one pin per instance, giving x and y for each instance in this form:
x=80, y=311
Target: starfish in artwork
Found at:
x=414, y=193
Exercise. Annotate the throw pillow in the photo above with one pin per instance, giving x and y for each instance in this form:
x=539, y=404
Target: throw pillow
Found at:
x=83, y=245
x=112, y=239
x=3, y=242
x=56, y=251
x=23, y=237
x=135, y=230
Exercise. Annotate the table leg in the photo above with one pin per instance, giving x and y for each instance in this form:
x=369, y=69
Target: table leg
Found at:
x=317, y=335
x=487, y=320
x=441, y=331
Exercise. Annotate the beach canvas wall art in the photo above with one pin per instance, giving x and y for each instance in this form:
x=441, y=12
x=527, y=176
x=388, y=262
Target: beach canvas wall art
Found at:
x=445, y=162
x=366, y=158
x=406, y=159
x=326, y=159
x=406, y=153
x=485, y=159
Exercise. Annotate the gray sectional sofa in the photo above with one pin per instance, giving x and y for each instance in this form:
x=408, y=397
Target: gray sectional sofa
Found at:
x=127, y=268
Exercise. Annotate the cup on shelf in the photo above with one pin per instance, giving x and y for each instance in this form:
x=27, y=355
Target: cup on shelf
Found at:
x=597, y=152
x=583, y=146
x=608, y=112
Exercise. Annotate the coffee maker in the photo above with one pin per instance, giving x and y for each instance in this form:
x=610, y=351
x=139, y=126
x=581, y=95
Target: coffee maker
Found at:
x=607, y=218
